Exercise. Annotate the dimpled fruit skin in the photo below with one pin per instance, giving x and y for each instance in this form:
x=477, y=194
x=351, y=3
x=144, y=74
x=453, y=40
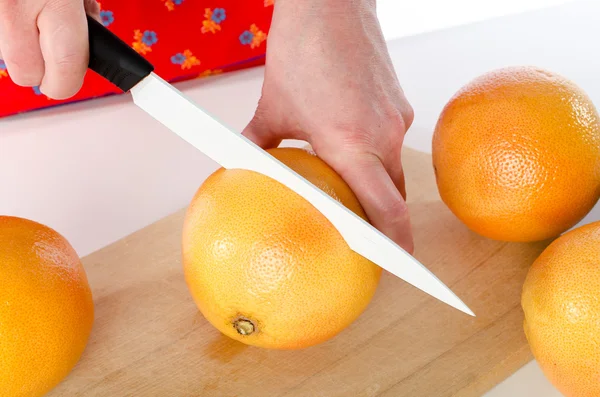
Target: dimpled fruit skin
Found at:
x=561, y=301
x=517, y=154
x=254, y=249
x=46, y=308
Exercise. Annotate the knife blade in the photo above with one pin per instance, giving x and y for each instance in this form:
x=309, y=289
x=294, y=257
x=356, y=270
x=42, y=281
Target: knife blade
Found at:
x=120, y=64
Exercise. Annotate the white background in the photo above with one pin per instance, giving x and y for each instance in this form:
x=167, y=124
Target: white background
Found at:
x=100, y=170
x=402, y=18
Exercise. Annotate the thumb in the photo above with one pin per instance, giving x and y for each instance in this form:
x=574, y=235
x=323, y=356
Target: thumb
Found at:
x=380, y=198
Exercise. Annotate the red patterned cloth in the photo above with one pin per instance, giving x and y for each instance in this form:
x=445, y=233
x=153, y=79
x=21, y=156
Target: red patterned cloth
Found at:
x=183, y=39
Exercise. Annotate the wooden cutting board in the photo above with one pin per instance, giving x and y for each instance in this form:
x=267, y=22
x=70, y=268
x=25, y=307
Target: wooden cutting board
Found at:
x=150, y=340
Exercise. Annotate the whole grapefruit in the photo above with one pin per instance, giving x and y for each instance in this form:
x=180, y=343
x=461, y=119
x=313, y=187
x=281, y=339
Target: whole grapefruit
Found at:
x=517, y=154
x=265, y=267
x=46, y=308
x=561, y=302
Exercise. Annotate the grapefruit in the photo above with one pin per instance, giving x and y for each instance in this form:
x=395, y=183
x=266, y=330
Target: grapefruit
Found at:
x=265, y=267
x=46, y=308
x=517, y=154
x=562, y=311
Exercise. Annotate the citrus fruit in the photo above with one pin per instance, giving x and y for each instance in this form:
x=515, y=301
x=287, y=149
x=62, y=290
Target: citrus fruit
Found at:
x=517, y=154
x=562, y=311
x=46, y=308
x=265, y=267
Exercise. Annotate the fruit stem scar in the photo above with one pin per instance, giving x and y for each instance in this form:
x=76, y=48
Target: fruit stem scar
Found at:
x=243, y=326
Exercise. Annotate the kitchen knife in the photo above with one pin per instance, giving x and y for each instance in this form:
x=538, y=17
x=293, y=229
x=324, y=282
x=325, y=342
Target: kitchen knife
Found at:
x=129, y=71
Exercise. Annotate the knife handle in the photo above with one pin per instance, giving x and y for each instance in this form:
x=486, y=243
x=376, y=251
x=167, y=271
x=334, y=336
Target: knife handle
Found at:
x=114, y=59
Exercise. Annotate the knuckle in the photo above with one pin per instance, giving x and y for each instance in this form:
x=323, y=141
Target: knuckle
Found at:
x=358, y=141
x=395, y=212
x=354, y=137
x=60, y=6
x=408, y=113
x=399, y=120
x=69, y=62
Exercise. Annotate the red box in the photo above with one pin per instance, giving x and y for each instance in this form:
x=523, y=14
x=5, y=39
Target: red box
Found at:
x=183, y=39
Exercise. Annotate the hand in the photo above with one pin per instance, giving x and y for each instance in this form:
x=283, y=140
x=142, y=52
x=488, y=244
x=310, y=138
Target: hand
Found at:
x=329, y=81
x=45, y=43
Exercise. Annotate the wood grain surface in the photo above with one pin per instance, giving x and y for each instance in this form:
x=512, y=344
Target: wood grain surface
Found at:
x=150, y=340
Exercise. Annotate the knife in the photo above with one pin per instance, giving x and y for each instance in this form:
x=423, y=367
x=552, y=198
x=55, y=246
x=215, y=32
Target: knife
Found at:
x=118, y=63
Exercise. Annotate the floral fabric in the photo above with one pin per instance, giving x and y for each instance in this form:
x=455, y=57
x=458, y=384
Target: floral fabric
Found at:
x=183, y=39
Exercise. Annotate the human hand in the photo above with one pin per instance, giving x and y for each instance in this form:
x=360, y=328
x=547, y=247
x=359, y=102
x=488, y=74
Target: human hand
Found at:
x=45, y=43
x=329, y=81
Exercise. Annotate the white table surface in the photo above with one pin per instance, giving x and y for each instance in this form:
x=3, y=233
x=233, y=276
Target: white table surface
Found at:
x=97, y=171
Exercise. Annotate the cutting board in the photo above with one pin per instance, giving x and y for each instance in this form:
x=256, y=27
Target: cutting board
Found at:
x=150, y=340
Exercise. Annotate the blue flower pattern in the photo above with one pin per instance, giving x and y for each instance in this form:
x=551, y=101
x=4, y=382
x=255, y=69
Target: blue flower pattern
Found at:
x=218, y=15
x=178, y=59
x=246, y=37
x=149, y=38
x=107, y=17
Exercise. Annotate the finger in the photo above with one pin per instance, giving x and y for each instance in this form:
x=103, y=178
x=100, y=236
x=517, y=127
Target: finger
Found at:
x=392, y=157
x=394, y=167
x=397, y=171
x=381, y=200
x=92, y=8
x=64, y=44
x=400, y=182
x=20, y=43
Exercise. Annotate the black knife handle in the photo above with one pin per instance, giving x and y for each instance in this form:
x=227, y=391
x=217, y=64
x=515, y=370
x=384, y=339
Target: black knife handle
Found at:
x=113, y=59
